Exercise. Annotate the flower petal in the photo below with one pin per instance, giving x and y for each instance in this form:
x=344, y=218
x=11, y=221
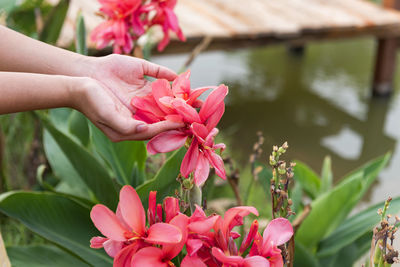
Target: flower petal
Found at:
x=192, y=261
x=151, y=211
x=161, y=88
x=203, y=226
x=193, y=245
x=202, y=170
x=97, y=241
x=147, y=117
x=148, y=104
x=214, y=118
x=107, y=222
x=171, y=208
x=112, y=247
x=149, y=257
x=124, y=257
x=234, y=216
x=200, y=131
x=171, y=251
x=166, y=142
x=132, y=209
x=256, y=261
x=188, y=113
x=217, y=162
x=195, y=93
x=163, y=233
x=220, y=256
x=189, y=162
x=213, y=102
x=181, y=85
x=278, y=232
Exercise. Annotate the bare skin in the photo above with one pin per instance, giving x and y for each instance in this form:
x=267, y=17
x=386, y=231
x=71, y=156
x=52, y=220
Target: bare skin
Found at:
x=35, y=75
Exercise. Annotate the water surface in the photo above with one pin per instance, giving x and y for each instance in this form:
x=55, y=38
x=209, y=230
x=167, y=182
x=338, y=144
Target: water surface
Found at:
x=319, y=102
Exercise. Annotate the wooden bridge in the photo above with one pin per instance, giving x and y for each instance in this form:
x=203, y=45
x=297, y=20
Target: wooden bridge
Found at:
x=241, y=23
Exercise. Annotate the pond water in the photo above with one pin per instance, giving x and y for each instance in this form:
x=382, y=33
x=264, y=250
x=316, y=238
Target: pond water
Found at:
x=319, y=102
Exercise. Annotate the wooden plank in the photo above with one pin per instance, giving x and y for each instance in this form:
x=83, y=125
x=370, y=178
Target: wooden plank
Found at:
x=282, y=20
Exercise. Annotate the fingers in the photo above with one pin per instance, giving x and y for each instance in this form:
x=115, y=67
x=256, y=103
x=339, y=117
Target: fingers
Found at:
x=157, y=71
x=122, y=128
x=156, y=128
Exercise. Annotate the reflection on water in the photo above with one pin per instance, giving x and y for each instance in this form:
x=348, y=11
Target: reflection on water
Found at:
x=318, y=102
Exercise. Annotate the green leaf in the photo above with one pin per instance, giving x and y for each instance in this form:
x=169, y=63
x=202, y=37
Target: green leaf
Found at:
x=57, y=218
x=80, y=41
x=54, y=22
x=164, y=182
x=349, y=254
x=330, y=209
x=62, y=168
x=42, y=256
x=354, y=227
x=326, y=176
x=309, y=181
x=127, y=158
x=92, y=172
x=78, y=126
x=7, y=6
x=304, y=258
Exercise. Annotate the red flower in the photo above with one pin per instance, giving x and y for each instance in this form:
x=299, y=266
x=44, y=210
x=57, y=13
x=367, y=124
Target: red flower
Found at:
x=126, y=231
x=179, y=103
x=166, y=18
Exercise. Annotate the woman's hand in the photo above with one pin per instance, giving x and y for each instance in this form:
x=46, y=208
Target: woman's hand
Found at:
x=106, y=111
x=124, y=76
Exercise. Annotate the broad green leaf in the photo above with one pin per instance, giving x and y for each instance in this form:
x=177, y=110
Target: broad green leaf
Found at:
x=309, y=181
x=349, y=254
x=164, y=181
x=127, y=158
x=71, y=182
x=80, y=37
x=78, y=126
x=7, y=6
x=42, y=256
x=330, y=209
x=54, y=22
x=92, y=172
x=354, y=227
x=303, y=257
x=57, y=218
x=296, y=195
x=326, y=175
x=59, y=117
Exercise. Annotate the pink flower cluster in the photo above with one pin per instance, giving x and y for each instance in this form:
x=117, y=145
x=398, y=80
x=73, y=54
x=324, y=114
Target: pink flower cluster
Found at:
x=127, y=20
x=209, y=240
x=179, y=103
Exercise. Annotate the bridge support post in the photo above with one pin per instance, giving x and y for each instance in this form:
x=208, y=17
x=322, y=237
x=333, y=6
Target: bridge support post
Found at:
x=385, y=61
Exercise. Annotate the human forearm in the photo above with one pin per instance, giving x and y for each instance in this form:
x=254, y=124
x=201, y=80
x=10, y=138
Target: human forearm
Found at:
x=26, y=91
x=19, y=53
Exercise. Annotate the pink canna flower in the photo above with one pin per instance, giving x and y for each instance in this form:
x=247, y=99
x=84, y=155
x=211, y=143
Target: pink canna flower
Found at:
x=126, y=231
x=127, y=20
x=278, y=232
x=178, y=103
x=166, y=18
x=209, y=246
x=154, y=256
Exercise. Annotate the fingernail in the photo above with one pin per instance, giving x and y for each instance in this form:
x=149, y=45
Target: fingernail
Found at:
x=141, y=128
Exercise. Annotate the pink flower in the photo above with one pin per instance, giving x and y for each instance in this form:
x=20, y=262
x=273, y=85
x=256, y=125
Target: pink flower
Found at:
x=166, y=18
x=207, y=246
x=154, y=256
x=126, y=231
x=116, y=28
x=278, y=232
x=179, y=103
